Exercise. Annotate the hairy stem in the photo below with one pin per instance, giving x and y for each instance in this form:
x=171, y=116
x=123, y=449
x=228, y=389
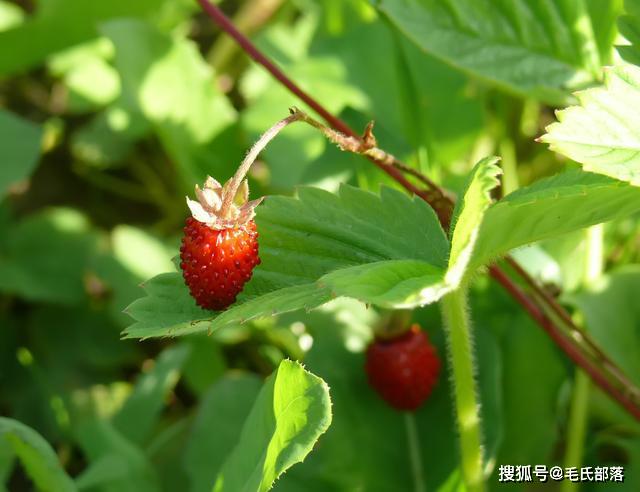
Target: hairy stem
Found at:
x=414, y=452
x=579, y=414
x=577, y=426
x=455, y=313
x=251, y=156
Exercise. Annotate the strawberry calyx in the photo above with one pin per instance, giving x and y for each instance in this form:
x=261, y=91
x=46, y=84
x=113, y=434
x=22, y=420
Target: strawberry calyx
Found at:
x=218, y=209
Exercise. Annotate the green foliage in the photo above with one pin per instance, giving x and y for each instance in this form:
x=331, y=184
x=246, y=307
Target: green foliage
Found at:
x=166, y=80
x=291, y=411
x=629, y=25
x=59, y=24
x=85, y=71
x=139, y=413
x=551, y=207
x=601, y=133
x=56, y=276
x=117, y=463
x=468, y=216
x=535, y=49
x=222, y=413
x=301, y=240
x=36, y=456
x=20, y=149
x=111, y=112
x=168, y=309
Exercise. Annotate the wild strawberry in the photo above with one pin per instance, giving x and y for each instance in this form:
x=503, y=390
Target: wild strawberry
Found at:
x=220, y=244
x=403, y=369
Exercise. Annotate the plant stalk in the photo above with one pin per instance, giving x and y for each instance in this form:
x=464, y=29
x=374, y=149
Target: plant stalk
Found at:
x=579, y=412
x=252, y=155
x=415, y=456
x=455, y=313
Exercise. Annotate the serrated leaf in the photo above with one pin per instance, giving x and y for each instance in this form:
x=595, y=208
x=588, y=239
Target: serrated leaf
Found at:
x=38, y=459
x=551, y=207
x=539, y=49
x=167, y=310
x=603, y=132
x=406, y=283
x=19, y=148
x=291, y=412
x=302, y=239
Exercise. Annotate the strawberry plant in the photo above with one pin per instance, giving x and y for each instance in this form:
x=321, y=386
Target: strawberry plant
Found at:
x=440, y=300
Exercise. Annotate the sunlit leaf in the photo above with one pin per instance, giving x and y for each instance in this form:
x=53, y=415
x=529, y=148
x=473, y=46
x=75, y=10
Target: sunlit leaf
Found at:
x=536, y=49
x=602, y=133
x=291, y=412
x=38, y=459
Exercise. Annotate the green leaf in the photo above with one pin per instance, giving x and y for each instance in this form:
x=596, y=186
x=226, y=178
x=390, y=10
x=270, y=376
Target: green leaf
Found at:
x=220, y=417
x=533, y=366
x=87, y=75
x=301, y=240
x=119, y=465
x=38, y=459
x=140, y=252
x=167, y=310
x=58, y=24
x=205, y=365
x=536, y=49
x=603, y=18
x=169, y=82
x=551, y=207
x=291, y=412
x=11, y=15
x=366, y=446
x=629, y=26
x=408, y=283
x=468, y=216
x=140, y=412
x=602, y=133
x=19, y=147
x=56, y=276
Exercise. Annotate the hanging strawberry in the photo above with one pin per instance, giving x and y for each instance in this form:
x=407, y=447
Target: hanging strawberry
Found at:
x=220, y=244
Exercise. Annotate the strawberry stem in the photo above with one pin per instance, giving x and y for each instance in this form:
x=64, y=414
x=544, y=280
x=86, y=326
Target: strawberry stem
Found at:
x=252, y=155
x=578, y=412
x=415, y=456
x=455, y=314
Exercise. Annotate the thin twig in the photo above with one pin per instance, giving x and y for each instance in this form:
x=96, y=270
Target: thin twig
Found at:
x=223, y=21
x=252, y=155
x=564, y=343
x=577, y=333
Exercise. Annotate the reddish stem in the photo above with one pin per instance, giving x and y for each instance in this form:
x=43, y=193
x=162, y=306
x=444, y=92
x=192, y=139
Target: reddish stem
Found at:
x=566, y=345
x=566, y=319
x=223, y=21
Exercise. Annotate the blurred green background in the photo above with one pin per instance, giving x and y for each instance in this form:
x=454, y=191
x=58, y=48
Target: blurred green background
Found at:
x=111, y=111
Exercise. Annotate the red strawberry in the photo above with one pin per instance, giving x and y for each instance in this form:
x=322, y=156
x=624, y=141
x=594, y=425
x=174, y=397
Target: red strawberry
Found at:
x=220, y=245
x=403, y=369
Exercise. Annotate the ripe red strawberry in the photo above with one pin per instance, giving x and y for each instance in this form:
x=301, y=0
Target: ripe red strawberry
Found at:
x=220, y=245
x=403, y=369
